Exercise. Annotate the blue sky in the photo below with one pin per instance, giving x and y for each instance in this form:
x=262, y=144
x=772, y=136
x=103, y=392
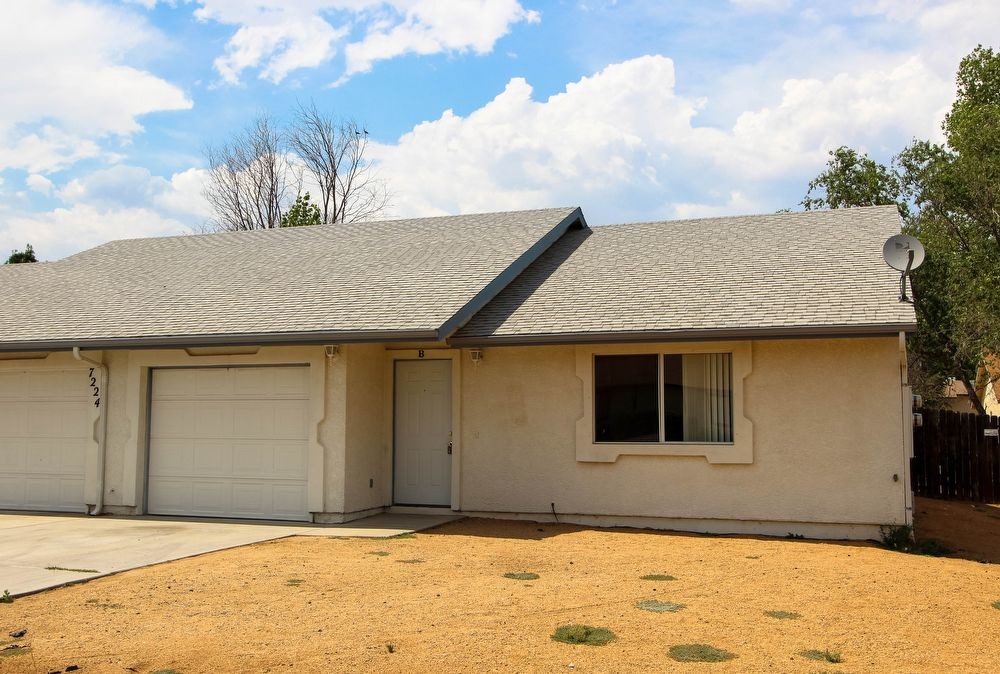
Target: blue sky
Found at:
x=633, y=110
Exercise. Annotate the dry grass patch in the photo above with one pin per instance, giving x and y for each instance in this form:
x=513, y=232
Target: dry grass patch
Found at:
x=583, y=634
x=699, y=653
x=823, y=656
x=783, y=615
x=657, y=606
x=657, y=576
x=524, y=575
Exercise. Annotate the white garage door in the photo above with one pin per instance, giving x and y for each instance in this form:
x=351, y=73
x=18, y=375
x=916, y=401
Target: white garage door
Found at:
x=46, y=425
x=229, y=442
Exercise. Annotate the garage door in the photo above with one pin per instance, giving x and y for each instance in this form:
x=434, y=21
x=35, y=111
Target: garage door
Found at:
x=229, y=442
x=46, y=425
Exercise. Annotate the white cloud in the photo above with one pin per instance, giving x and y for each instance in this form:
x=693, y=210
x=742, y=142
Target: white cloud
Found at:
x=625, y=144
x=66, y=85
x=63, y=231
x=38, y=183
x=131, y=187
x=278, y=37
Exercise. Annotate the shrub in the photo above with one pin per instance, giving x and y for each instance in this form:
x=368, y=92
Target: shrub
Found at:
x=6, y=598
x=782, y=615
x=657, y=576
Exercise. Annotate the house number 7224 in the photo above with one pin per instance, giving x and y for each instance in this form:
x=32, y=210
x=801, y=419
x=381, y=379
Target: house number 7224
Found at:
x=95, y=388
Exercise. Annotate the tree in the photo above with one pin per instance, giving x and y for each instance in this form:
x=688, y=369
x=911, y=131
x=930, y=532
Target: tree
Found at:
x=255, y=176
x=250, y=178
x=333, y=154
x=949, y=196
x=302, y=213
x=854, y=179
x=20, y=256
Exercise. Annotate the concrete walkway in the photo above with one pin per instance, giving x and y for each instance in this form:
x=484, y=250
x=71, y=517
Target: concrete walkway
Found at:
x=99, y=546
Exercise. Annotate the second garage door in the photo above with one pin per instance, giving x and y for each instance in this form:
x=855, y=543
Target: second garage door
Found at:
x=229, y=442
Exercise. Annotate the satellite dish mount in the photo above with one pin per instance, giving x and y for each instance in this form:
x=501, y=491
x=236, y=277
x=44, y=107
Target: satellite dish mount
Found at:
x=904, y=254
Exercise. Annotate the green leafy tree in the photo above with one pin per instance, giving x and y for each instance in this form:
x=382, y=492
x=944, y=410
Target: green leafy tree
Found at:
x=302, y=213
x=854, y=179
x=949, y=196
x=19, y=256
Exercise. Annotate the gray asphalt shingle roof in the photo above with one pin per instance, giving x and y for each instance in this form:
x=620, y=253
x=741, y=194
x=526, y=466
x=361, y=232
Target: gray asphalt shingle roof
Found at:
x=405, y=277
x=812, y=272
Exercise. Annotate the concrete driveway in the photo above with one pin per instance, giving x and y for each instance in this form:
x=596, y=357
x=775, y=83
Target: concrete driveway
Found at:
x=40, y=551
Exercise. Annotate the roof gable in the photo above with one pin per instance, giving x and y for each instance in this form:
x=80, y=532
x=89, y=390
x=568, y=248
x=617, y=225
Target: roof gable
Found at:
x=808, y=273
x=401, y=279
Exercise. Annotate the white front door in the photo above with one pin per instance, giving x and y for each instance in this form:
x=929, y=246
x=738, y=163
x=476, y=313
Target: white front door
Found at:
x=229, y=442
x=422, y=472
x=46, y=426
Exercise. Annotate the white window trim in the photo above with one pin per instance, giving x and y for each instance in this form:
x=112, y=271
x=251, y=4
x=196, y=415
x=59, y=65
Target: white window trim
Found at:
x=740, y=450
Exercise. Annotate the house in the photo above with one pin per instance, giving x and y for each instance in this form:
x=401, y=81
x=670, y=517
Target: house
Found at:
x=955, y=397
x=731, y=374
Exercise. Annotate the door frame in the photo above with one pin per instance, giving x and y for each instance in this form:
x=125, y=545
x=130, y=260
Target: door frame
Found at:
x=62, y=360
x=430, y=353
x=150, y=372
x=138, y=407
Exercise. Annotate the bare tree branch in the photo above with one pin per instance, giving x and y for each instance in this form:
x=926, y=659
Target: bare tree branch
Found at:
x=251, y=180
x=333, y=154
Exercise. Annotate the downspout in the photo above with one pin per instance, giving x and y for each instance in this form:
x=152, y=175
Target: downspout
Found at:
x=102, y=430
x=907, y=409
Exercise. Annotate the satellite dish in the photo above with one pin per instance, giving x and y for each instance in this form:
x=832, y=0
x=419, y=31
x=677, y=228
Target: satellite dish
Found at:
x=903, y=252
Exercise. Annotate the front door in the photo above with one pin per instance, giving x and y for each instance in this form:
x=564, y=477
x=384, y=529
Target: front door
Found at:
x=422, y=471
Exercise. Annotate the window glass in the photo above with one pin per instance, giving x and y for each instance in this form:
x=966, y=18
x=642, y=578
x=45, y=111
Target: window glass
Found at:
x=697, y=396
x=626, y=400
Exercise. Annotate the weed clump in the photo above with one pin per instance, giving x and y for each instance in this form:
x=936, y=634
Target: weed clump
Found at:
x=583, y=634
x=657, y=606
x=699, y=653
x=823, y=656
x=899, y=538
x=527, y=575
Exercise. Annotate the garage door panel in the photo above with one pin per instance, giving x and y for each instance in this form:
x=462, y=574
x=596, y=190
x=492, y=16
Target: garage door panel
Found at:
x=46, y=428
x=236, y=443
x=292, y=382
x=169, y=457
x=12, y=456
x=172, y=496
x=12, y=491
x=212, y=458
x=288, y=500
x=290, y=460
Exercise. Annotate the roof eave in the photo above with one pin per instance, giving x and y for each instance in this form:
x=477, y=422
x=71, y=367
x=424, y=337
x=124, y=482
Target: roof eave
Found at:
x=515, y=269
x=242, y=339
x=695, y=335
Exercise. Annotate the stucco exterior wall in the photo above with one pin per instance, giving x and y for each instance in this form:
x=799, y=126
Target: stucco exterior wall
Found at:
x=368, y=469
x=827, y=426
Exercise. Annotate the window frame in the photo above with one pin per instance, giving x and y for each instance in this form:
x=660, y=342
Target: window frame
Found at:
x=739, y=450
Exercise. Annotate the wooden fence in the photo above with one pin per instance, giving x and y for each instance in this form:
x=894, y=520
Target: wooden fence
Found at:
x=953, y=458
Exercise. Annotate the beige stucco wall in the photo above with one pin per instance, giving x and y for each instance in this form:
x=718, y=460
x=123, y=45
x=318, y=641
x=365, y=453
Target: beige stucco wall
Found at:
x=828, y=439
x=368, y=470
x=826, y=418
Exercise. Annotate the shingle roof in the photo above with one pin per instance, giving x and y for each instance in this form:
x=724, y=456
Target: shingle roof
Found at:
x=817, y=272
x=407, y=278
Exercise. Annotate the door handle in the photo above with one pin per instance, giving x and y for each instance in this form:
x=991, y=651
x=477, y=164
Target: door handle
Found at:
x=449, y=448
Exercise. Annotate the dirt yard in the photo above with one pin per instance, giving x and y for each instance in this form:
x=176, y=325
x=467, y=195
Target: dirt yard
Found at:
x=438, y=602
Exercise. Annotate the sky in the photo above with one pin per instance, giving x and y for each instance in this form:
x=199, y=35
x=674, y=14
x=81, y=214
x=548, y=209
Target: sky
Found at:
x=634, y=110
